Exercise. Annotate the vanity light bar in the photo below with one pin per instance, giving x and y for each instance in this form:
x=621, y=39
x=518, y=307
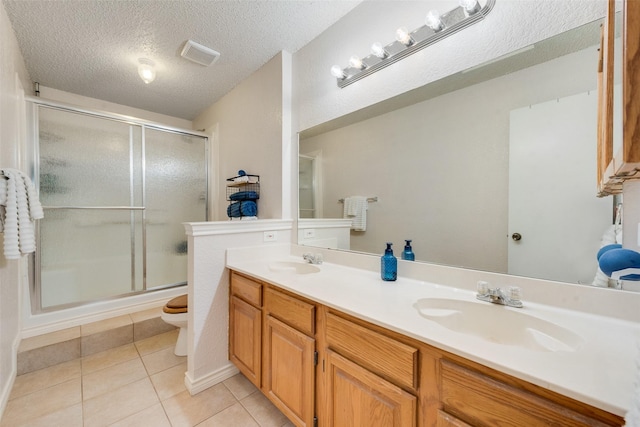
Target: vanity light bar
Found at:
x=437, y=28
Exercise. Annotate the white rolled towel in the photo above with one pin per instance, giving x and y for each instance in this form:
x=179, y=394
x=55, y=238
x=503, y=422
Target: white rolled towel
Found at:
x=20, y=208
x=10, y=229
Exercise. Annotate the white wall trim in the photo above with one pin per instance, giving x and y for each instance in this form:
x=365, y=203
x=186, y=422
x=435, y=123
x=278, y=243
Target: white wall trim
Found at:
x=195, y=386
x=6, y=390
x=235, y=227
x=324, y=223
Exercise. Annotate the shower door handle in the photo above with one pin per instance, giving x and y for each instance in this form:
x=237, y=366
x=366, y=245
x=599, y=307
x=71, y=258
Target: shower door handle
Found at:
x=116, y=208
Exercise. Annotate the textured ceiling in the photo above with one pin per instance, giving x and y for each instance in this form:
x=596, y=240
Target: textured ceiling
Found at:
x=91, y=47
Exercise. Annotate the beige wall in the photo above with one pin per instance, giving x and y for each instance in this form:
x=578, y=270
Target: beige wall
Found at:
x=13, y=78
x=247, y=129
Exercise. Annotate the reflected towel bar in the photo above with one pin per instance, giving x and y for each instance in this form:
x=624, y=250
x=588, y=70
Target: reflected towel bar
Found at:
x=369, y=199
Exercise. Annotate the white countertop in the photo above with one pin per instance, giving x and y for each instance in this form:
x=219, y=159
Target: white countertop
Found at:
x=600, y=372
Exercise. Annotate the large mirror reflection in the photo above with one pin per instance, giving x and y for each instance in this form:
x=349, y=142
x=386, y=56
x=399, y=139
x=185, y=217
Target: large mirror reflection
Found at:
x=493, y=168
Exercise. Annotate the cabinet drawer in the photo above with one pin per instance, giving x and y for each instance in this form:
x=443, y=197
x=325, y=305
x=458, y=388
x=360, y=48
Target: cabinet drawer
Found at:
x=290, y=310
x=391, y=359
x=248, y=289
x=447, y=420
x=481, y=400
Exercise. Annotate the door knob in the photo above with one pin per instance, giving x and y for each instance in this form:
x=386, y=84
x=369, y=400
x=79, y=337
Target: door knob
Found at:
x=516, y=236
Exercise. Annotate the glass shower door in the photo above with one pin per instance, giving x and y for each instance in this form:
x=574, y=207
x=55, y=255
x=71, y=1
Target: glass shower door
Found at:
x=175, y=192
x=115, y=195
x=91, y=236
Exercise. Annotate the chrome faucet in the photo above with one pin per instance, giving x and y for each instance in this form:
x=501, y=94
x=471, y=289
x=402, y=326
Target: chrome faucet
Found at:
x=509, y=297
x=312, y=259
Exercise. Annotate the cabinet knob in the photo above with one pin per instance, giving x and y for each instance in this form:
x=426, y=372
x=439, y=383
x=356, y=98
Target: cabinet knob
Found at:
x=516, y=237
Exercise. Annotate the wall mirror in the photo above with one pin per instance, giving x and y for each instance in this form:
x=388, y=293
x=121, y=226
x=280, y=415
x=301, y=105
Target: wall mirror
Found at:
x=492, y=168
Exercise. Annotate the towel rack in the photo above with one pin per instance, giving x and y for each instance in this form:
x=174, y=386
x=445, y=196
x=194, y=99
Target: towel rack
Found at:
x=369, y=199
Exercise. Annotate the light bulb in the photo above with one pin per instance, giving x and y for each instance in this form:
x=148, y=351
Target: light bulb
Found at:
x=336, y=71
x=356, y=62
x=146, y=70
x=433, y=21
x=403, y=36
x=470, y=6
x=378, y=50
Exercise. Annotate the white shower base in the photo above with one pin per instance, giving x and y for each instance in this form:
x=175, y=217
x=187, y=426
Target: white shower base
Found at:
x=105, y=297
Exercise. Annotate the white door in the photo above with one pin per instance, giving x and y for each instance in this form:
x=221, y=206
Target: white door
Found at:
x=552, y=187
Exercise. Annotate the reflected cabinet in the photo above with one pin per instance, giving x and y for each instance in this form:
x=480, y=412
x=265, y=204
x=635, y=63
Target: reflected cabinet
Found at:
x=619, y=98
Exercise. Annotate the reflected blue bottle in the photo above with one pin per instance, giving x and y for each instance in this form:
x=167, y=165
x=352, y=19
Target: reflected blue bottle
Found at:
x=388, y=265
x=408, y=254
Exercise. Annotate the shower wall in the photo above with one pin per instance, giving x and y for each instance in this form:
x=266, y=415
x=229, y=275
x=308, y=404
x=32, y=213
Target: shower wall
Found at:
x=115, y=194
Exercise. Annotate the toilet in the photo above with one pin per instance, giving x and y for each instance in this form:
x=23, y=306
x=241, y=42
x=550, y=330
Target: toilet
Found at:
x=175, y=313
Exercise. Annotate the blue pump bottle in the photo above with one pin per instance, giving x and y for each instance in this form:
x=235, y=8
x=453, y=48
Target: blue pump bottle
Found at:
x=408, y=254
x=388, y=265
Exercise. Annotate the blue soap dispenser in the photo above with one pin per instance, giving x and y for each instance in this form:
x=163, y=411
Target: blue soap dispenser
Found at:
x=388, y=265
x=408, y=254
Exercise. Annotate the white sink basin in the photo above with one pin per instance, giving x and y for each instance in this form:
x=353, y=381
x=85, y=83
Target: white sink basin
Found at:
x=294, y=267
x=498, y=324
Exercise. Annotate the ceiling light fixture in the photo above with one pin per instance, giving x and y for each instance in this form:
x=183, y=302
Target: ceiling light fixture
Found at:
x=356, y=62
x=470, y=6
x=403, y=36
x=434, y=21
x=146, y=70
x=436, y=28
x=336, y=71
x=378, y=50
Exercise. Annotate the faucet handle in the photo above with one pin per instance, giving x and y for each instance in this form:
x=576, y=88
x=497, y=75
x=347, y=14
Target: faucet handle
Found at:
x=515, y=293
x=482, y=287
x=319, y=258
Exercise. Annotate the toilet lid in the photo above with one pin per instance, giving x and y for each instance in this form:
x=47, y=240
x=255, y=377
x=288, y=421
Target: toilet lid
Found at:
x=176, y=305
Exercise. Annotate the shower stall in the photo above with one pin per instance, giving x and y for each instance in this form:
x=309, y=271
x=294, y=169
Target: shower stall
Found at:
x=115, y=192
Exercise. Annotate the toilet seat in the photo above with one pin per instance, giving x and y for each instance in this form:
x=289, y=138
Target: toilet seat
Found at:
x=176, y=305
x=175, y=312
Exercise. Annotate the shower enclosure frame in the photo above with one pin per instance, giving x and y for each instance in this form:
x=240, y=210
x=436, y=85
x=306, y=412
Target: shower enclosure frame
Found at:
x=33, y=157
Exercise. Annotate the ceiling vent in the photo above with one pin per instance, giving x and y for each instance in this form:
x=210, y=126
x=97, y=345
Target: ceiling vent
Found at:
x=199, y=54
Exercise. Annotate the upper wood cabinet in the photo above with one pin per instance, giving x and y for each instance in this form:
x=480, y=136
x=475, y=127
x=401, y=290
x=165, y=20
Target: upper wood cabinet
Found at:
x=622, y=57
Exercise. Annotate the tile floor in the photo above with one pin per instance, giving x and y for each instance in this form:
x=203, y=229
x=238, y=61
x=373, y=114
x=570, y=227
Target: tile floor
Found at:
x=137, y=385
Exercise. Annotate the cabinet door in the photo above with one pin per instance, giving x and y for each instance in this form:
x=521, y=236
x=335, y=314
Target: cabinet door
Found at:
x=288, y=376
x=357, y=398
x=245, y=333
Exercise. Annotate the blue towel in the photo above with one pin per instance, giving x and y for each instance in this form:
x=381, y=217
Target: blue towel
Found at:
x=243, y=208
x=607, y=248
x=244, y=195
x=620, y=259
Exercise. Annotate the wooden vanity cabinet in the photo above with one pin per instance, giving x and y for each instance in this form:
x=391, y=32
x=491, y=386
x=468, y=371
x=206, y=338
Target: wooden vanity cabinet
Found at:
x=245, y=326
x=289, y=356
x=617, y=165
x=319, y=364
x=370, y=379
x=473, y=397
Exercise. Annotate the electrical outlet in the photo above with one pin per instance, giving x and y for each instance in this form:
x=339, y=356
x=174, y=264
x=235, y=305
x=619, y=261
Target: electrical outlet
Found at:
x=308, y=234
x=270, y=236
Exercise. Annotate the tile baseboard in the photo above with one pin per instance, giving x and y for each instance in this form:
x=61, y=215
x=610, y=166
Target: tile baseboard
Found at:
x=196, y=385
x=51, y=349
